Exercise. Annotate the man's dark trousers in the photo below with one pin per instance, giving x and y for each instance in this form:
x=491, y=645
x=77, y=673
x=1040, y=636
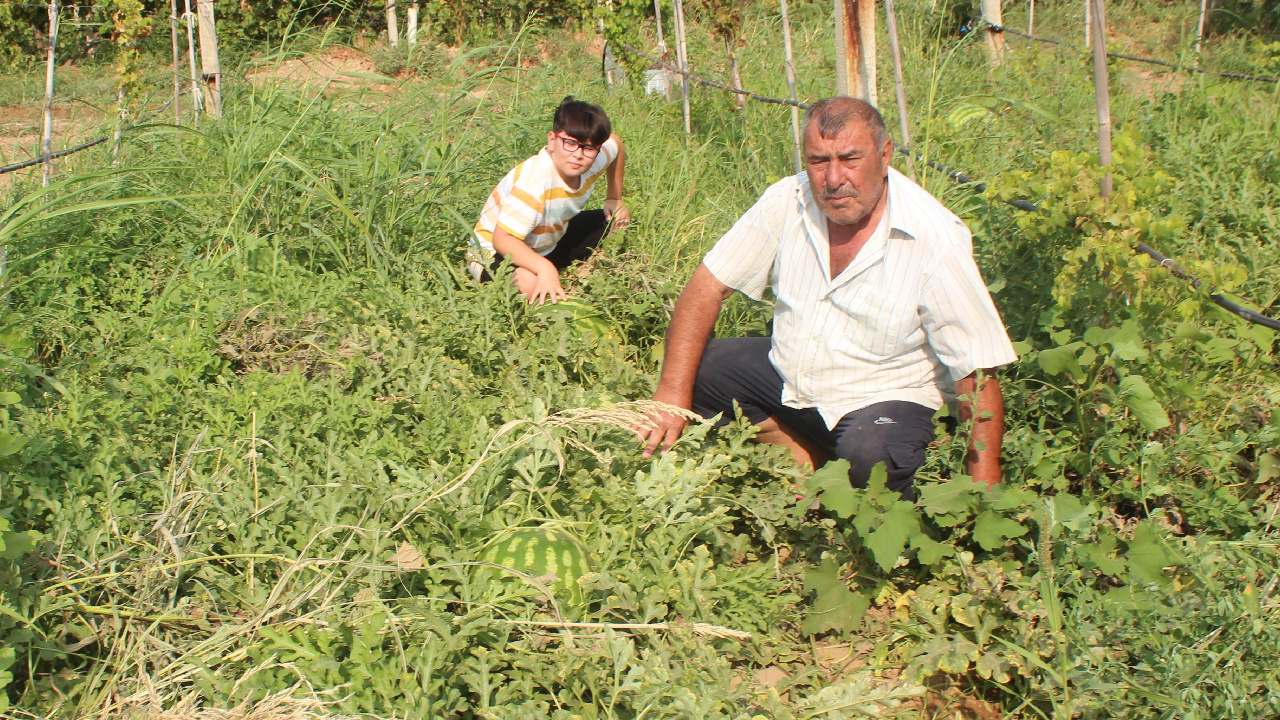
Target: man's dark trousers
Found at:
x=896, y=433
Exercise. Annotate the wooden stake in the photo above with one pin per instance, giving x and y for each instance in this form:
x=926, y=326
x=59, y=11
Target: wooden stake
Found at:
x=196, y=100
x=47, y=138
x=891, y=22
x=1088, y=23
x=177, y=62
x=856, y=49
x=393, y=33
x=657, y=21
x=210, y=68
x=682, y=61
x=791, y=87
x=1031, y=22
x=996, y=47
x=1102, y=90
x=413, y=23
x=1204, y=7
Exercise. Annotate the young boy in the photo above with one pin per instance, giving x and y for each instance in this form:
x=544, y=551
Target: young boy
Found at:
x=534, y=218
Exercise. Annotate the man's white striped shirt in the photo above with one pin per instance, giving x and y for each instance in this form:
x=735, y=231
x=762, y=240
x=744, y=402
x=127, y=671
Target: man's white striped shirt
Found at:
x=908, y=317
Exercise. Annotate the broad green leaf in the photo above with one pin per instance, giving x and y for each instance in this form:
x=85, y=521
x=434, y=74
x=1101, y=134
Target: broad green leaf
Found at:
x=888, y=540
x=991, y=529
x=831, y=485
x=1059, y=360
x=10, y=444
x=1268, y=467
x=836, y=607
x=930, y=551
x=1103, y=555
x=1003, y=497
x=1137, y=395
x=10, y=398
x=17, y=544
x=950, y=503
x=1149, y=554
x=1070, y=512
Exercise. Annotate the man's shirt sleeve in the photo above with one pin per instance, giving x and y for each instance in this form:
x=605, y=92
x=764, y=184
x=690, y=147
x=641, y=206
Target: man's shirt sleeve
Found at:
x=743, y=258
x=959, y=318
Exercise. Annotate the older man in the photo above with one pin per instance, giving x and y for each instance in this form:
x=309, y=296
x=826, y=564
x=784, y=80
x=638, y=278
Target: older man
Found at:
x=880, y=315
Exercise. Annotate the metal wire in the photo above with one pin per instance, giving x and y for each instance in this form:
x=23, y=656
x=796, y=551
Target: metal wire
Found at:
x=1136, y=58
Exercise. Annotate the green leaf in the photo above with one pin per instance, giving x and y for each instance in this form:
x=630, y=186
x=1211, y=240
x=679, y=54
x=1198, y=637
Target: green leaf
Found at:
x=930, y=551
x=991, y=529
x=831, y=485
x=950, y=503
x=10, y=444
x=1149, y=554
x=1138, y=397
x=10, y=398
x=836, y=607
x=1056, y=361
x=887, y=542
x=1103, y=555
x=17, y=544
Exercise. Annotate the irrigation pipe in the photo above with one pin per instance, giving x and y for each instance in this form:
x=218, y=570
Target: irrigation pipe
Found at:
x=1135, y=58
x=91, y=143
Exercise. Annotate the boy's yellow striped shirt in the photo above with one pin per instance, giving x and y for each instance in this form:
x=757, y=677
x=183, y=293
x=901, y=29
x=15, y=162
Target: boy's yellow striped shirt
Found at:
x=533, y=203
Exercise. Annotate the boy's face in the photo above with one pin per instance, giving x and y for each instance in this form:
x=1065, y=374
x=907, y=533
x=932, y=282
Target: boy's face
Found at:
x=571, y=157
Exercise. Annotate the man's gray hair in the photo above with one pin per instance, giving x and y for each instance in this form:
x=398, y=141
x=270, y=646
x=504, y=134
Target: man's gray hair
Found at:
x=833, y=113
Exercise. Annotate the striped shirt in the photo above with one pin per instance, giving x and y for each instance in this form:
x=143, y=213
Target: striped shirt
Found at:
x=908, y=317
x=533, y=203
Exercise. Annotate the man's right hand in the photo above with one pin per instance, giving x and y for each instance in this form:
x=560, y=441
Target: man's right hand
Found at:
x=666, y=428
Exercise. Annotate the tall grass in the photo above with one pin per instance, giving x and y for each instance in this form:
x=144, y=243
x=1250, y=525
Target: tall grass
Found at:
x=231, y=393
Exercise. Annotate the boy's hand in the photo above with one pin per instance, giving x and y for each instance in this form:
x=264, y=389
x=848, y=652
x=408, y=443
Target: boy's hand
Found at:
x=619, y=213
x=547, y=287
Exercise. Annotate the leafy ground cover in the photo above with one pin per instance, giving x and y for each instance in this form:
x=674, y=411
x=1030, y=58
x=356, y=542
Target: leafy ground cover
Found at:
x=262, y=438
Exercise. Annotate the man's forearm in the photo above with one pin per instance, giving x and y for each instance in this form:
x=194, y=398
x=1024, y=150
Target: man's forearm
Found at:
x=983, y=458
x=691, y=325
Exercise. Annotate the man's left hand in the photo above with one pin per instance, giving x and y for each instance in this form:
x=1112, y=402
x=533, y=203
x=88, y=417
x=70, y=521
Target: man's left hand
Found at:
x=617, y=212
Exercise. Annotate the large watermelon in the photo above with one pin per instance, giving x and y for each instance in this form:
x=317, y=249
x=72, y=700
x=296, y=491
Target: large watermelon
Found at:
x=541, y=552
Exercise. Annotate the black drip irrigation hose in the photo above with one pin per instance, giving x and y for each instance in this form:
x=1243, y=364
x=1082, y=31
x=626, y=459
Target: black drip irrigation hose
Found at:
x=91, y=143
x=1217, y=298
x=1135, y=58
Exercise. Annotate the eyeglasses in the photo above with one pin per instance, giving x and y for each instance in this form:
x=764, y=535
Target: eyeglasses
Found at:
x=571, y=145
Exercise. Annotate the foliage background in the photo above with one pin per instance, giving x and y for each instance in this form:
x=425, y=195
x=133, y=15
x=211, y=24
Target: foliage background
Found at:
x=258, y=426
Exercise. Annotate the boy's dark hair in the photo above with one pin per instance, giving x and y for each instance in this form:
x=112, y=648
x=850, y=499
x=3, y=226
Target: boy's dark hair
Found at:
x=582, y=121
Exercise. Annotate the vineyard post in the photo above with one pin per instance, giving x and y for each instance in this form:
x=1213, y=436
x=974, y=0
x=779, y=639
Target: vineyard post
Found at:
x=1088, y=23
x=393, y=32
x=209, y=66
x=856, y=49
x=682, y=59
x=657, y=21
x=992, y=15
x=1031, y=22
x=177, y=62
x=891, y=22
x=791, y=86
x=1102, y=91
x=47, y=139
x=1204, y=7
x=412, y=32
x=196, y=103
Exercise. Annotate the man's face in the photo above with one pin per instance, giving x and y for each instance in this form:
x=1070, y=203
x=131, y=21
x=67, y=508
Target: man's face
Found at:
x=570, y=163
x=846, y=172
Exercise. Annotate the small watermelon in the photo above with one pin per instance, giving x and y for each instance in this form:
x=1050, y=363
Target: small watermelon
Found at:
x=540, y=552
x=581, y=316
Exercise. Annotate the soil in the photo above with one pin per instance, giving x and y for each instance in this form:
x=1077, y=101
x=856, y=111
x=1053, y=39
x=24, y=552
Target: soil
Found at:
x=22, y=126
